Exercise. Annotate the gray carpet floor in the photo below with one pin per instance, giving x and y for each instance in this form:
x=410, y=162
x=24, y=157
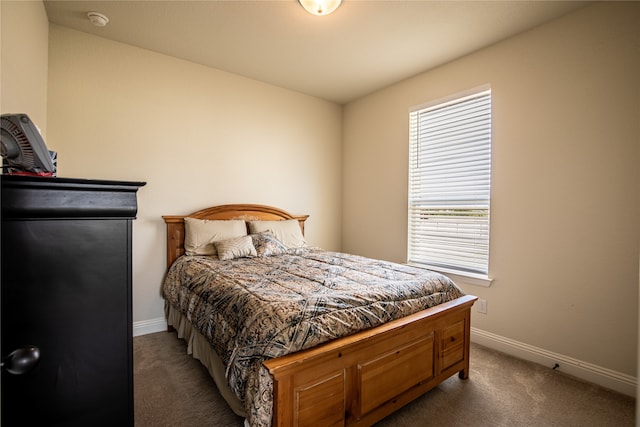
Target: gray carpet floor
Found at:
x=173, y=389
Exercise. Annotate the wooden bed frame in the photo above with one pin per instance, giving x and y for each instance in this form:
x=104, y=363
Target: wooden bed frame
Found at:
x=359, y=379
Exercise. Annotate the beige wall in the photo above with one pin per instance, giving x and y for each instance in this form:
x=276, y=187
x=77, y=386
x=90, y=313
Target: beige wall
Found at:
x=24, y=39
x=565, y=225
x=198, y=137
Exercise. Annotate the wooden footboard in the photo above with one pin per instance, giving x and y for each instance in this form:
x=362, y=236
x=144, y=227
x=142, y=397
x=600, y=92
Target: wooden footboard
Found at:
x=360, y=379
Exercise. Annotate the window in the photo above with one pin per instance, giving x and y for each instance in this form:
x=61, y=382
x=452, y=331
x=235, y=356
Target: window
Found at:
x=450, y=185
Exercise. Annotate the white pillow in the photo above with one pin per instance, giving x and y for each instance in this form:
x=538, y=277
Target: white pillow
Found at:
x=287, y=231
x=199, y=234
x=235, y=248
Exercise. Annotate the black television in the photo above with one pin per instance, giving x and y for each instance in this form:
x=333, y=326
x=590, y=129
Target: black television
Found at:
x=22, y=147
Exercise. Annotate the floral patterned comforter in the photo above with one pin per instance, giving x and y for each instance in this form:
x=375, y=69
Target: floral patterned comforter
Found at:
x=252, y=309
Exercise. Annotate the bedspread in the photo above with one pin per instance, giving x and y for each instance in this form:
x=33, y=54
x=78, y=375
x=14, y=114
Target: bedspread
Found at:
x=252, y=309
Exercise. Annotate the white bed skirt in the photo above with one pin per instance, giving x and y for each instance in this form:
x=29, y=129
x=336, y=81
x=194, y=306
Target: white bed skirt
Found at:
x=200, y=349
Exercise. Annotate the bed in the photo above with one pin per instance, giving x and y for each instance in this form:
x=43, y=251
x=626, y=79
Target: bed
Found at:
x=375, y=357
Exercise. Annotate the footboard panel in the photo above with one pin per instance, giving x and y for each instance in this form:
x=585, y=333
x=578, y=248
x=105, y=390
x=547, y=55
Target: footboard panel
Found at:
x=360, y=379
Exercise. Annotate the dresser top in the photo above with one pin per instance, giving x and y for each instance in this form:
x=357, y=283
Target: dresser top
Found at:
x=37, y=181
x=32, y=197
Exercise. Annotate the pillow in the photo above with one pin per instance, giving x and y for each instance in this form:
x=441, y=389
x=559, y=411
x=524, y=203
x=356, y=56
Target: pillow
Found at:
x=287, y=231
x=266, y=244
x=199, y=234
x=236, y=247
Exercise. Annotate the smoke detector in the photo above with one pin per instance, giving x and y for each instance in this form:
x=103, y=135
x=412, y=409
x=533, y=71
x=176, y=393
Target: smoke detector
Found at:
x=98, y=19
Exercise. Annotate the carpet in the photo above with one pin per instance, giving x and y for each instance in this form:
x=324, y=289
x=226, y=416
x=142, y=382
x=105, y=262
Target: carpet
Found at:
x=173, y=389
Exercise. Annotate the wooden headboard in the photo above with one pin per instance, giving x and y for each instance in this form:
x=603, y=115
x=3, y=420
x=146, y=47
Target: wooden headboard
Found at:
x=248, y=212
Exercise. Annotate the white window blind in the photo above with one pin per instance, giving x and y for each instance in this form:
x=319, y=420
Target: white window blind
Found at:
x=450, y=185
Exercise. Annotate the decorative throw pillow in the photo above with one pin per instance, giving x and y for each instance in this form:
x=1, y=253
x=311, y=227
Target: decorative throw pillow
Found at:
x=236, y=247
x=199, y=234
x=287, y=231
x=266, y=244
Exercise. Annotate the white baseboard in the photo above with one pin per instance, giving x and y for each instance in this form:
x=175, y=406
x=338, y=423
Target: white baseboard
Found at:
x=604, y=377
x=149, y=326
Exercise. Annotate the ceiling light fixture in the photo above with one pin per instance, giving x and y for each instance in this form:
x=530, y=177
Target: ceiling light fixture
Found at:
x=98, y=19
x=320, y=7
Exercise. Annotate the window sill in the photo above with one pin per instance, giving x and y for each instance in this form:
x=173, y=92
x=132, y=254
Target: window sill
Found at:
x=464, y=279
x=461, y=278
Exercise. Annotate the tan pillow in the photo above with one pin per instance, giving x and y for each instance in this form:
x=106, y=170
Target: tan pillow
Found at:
x=287, y=231
x=199, y=234
x=235, y=248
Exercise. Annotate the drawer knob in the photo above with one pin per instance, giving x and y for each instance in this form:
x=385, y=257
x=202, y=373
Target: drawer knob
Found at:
x=21, y=360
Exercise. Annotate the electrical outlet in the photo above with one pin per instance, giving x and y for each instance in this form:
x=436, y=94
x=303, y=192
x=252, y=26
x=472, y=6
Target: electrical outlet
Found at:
x=482, y=306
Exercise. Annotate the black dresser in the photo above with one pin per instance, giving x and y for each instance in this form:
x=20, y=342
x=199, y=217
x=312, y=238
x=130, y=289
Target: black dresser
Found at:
x=66, y=301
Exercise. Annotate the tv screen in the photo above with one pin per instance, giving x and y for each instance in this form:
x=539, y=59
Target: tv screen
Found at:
x=22, y=147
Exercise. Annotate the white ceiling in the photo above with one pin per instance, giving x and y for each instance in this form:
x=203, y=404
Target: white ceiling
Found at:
x=363, y=46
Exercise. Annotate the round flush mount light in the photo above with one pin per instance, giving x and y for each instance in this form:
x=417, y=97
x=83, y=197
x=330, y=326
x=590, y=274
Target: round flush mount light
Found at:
x=320, y=7
x=98, y=19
